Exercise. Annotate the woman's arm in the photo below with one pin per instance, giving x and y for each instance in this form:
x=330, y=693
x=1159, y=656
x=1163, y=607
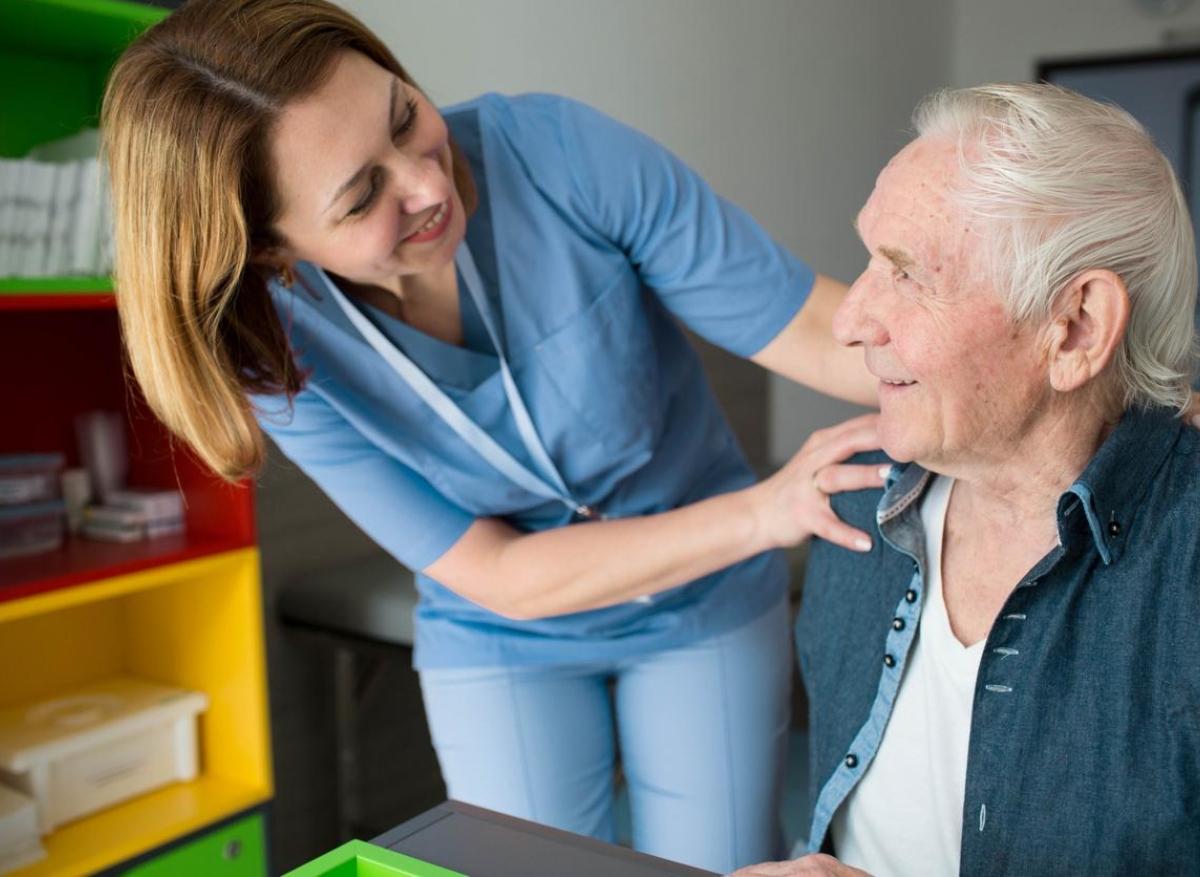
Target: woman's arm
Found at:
x=601, y=563
x=806, y=352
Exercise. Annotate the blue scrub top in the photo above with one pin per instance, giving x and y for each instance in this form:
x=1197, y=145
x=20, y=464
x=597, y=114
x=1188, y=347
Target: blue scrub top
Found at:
x=591, y=240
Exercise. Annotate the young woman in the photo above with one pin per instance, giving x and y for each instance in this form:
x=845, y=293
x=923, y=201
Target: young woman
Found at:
x=462, y=324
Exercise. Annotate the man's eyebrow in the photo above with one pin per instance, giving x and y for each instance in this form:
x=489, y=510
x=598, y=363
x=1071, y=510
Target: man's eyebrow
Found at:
x=899, y=258
x=366, y=168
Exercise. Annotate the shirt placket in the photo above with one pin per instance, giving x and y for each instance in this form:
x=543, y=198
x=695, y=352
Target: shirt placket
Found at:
x=900, y=526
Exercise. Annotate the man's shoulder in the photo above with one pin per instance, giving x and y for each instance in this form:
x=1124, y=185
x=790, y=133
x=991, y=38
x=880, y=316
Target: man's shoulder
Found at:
x=1170, y=510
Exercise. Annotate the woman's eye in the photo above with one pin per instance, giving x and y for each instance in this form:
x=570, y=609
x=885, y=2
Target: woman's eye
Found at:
x=368, y=198
x=409, y=120
x=364, y=203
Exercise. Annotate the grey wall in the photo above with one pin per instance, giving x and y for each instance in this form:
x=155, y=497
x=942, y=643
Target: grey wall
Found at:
x=993, y=41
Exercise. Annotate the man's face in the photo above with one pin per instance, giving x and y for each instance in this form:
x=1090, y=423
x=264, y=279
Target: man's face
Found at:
x=959, y=382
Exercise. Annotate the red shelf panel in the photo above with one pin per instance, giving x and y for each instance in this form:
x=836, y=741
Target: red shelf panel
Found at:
x=80, y=302
x=80, y=561
x=61, y=357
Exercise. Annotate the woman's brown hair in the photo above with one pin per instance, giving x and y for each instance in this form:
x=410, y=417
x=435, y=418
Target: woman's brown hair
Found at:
x=187, y=117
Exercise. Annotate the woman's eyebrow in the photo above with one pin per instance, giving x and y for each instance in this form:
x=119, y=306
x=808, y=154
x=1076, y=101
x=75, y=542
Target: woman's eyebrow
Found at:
x=365, y=169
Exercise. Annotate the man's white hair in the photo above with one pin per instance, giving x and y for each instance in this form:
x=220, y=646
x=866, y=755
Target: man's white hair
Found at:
x=1069, y=184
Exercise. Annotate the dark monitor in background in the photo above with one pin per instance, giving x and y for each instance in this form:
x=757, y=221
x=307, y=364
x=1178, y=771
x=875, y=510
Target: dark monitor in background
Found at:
x=1161, y=90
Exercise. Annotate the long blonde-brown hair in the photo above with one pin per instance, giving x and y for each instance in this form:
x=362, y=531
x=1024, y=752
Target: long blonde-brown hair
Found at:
x=187, y=114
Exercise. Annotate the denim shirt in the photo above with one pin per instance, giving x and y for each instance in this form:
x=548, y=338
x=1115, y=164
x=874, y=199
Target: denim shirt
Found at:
x=1084, y=752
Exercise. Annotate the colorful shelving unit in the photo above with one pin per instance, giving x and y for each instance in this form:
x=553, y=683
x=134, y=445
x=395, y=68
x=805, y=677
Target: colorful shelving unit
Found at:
x=181, y=610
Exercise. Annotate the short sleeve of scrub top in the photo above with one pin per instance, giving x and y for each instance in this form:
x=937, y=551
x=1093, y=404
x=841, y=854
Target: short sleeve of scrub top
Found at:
x=378, y=492
x=591, y=241
x=708, y=261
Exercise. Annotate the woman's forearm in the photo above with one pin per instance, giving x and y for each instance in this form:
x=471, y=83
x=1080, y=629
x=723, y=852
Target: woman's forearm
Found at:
x=806, y=352
x=601, y=563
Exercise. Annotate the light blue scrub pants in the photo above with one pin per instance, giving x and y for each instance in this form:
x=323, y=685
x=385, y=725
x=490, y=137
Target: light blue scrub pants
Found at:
x=702, y=733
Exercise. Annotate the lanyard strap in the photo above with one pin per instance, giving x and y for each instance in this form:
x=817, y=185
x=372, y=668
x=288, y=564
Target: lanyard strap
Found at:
x=451, y=414
x=529, y=436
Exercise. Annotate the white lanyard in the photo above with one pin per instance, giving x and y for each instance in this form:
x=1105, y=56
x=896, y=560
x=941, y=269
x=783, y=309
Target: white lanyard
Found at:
x=550, y=485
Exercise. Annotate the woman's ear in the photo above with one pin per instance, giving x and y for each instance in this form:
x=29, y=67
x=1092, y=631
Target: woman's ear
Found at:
x=273, y=261
x=1087, y=328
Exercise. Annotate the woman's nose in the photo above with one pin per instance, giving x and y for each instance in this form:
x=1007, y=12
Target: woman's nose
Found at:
x=419, y=182
x=854, y=322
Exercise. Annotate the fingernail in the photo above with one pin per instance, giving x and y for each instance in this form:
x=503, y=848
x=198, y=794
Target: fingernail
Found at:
x=863, y=544
x=884, y=471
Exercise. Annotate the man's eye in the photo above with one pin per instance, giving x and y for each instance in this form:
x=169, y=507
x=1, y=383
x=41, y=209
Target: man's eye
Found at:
x=901, y=275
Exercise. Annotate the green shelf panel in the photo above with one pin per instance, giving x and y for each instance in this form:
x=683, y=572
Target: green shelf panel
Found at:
x=357, y=858
x=55, y=285
x=235, y=850
x=54, y=58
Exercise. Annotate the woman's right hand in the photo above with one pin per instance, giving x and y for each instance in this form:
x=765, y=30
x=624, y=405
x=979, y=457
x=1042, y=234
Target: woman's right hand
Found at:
x=793, y=504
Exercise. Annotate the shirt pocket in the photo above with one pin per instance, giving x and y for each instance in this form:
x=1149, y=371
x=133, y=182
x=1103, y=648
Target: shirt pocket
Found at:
x=604, y=364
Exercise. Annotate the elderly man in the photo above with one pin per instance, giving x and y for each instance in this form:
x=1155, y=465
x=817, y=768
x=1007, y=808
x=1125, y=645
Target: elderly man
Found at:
x=1009, y=682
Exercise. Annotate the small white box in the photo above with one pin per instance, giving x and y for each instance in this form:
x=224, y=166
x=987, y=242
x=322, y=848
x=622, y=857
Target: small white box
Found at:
x=99, y=745
x=20, y=844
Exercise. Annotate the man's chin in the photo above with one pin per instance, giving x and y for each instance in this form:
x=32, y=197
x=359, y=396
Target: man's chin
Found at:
x=902, y=449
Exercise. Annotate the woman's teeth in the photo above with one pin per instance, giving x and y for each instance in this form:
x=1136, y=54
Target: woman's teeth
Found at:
x=433, y=220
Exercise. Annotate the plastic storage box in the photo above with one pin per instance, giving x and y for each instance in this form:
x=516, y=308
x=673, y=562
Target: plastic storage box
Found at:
x=99, y=745
x=32, y=529
x=357, y=858
x=20, y=844
x=29, y=478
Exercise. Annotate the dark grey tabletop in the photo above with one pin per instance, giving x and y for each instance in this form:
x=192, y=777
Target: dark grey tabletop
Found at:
x=482, y=843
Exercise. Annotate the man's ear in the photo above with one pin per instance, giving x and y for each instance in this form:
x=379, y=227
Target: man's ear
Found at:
x=1087, y=327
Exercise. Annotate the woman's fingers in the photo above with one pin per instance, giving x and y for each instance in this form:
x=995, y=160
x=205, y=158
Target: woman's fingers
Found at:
x=843, y=446
x=795, y=500
x=1194, y=410
x=840, y=478
x=829, y=527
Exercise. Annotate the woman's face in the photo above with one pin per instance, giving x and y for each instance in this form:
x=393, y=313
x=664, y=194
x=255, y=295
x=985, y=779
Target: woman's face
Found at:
x=363, y=171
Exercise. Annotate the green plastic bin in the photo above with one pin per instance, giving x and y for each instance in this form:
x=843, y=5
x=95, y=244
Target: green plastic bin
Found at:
x=358, y=858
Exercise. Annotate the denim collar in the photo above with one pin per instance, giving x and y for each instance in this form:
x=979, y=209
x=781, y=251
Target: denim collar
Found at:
x=1108, y=491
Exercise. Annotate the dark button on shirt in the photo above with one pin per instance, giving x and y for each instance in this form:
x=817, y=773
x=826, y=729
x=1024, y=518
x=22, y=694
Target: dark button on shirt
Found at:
x=1084, y=753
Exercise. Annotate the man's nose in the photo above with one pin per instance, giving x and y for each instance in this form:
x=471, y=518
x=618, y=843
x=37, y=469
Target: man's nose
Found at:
x=854, y=322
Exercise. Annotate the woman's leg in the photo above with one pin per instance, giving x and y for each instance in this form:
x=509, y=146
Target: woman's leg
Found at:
x=533, y=742
x=703, y=733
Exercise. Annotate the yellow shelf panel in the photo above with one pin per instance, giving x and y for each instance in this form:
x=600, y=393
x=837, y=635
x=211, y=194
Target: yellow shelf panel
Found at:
x=103, y=589
x=115, y=835
x=196, y=624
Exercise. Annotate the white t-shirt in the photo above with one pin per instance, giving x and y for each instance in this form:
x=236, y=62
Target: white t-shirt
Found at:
x=905, y=815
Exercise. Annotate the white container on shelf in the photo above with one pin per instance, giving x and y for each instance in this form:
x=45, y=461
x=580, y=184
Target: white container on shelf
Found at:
x=20, y=843
x=99, y=745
